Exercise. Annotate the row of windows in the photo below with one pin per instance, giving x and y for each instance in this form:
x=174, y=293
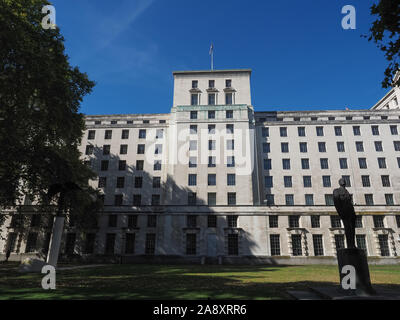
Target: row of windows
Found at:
x=211, y=129
x=124, y=149
x=266, y=147
x=98, y=122
x=211, y=84
x=125, y=134
x=324, y=163
x=309, y=199
x=212, y=145
x=191, y=243
x=212, y=113
x=326, y=181
x=104, y=166
x=301, y=131
x=331, y=118
x=212, y=179
x=212, y=99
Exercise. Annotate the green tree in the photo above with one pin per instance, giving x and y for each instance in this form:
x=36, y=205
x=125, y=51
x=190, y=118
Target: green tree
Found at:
x=385, y=32
x=40, y=124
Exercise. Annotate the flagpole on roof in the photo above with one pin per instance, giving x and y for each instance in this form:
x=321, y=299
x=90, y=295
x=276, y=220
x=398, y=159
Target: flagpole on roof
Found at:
x=212, y=56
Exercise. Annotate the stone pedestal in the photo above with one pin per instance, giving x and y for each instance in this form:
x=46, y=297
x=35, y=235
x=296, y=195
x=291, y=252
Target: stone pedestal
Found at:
x=356, y=257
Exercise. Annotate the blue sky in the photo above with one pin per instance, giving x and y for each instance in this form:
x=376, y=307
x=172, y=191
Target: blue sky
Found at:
x=301, y=57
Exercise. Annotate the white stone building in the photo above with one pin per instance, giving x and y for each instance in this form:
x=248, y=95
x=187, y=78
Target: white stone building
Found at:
x=213, y=180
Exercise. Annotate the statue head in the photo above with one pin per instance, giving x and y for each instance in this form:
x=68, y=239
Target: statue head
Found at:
x=342, y=182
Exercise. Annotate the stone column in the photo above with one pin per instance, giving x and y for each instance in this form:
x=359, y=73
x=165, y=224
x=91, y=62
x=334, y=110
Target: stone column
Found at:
x=55, y=242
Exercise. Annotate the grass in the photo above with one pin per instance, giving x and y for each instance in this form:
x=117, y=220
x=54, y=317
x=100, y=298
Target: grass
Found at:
x=180, y=281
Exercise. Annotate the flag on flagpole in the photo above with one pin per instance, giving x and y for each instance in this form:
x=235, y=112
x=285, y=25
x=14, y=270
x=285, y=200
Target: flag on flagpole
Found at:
x=212, y=55
x=211, y=49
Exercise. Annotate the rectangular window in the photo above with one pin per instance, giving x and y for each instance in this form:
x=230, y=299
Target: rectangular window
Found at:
x=267, y=164
x=192, y=180
x=230, y=161
x=294, y=221
x=283, y=131
x=120, y=182
x=382, y=163
x=151, y=221
x=385, y=181
x=365, y=181
x=315, y=222
x=211, y=114
x=287, y=181
x=228, y=98
x=378, y=146
x=212, y=179
x=369, y=199
x=329, y=200
x=383, y=245
x=301, y=131
x=142, y=134
x=229, y=114
x=125, y=134
x=359, y=222
x=158, y=149
x=228, y=83
x=229, y=129
x=191, y=221
x=336, y=222
x=318, y=245
x=211, y=144
x=211, y=84
x=156, y=182
x=320, y=131
x=108, y=134
x=193, y=115
x=232, y=221
x=285, y=147
x=268, y=181
x=362, y=162
x=343, y=163
x=212, y=199
x=231, y=198
x=122, y=165
x=150, y=246
x=91, y=134
x=139, y=165
x=305, y=164
x=324, y=163
x=211, y=221
x=191, y=243
x=338, y=131
x=231, y=179
x=356, y=130
x=233, y=244
x=286, y=164
x=396, y=145
x=340, y=146
x=118, y=200
x=309, y=199
x=379, y=221
x=110, y=243
x=266, y=147
x=296, y=245
x=326, y=181
x=359, y=146
x=389, y=199
x=157, y=165
x=132, y=221
x=192, y=162
x=347, y=180
x=303, y=147
x=307, y=182
x=137, y=200
x=194, y=99
x=269, y=199
x=398, y=221
x=265, y=132
x=89, y=150
x=321, y=147
x=211, y=99
x=195, y=84
x=273, y=221
x=375, y=130
x=339, y=241
x=129, y=243
x=140, y=149
x=159, y=133
x=211, y=129
x=138, y=182
x=192, y=199
x=275, y=244
x=361, y=243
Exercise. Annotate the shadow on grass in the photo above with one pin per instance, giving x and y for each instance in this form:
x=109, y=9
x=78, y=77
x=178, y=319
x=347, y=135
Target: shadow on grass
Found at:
x=173, y=282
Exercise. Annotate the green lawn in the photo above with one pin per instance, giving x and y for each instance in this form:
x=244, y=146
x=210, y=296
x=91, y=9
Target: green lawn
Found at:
x=180, y=281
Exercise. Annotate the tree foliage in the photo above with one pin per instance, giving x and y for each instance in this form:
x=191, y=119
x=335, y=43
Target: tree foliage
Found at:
x=40, y=124
x=385, y=32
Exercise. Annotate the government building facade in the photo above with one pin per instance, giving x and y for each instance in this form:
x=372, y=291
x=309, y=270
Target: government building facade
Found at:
x=214, y=181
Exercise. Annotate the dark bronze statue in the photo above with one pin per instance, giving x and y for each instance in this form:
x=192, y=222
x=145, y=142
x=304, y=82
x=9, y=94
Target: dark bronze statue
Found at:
x=345, y=209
